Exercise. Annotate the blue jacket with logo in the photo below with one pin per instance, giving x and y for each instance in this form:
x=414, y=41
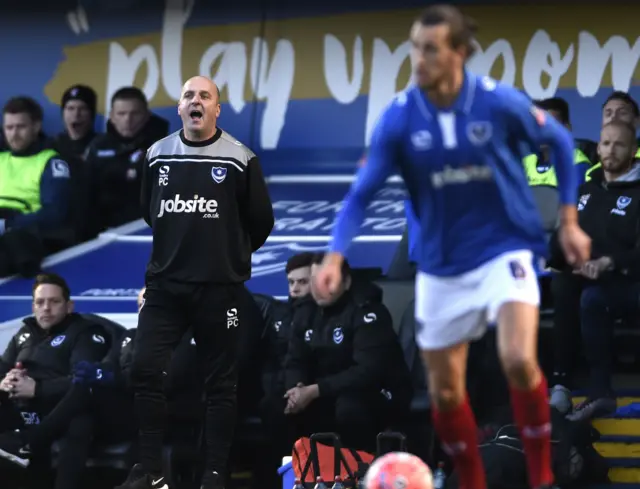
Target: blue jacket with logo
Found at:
x=349, y=347
x=48, y=356
x=610, y=214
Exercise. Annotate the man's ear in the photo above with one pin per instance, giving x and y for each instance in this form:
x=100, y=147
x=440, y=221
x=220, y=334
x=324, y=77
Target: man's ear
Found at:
x=347, y=283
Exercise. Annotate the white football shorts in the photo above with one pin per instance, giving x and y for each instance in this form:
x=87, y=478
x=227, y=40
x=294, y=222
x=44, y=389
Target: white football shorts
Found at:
x=453, y=310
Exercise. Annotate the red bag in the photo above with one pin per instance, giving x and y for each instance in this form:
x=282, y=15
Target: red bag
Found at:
x=312, y=459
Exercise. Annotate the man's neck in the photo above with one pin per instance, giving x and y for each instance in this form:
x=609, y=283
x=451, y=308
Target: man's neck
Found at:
x=199, y=136
x=612, y=176
x=447, y=91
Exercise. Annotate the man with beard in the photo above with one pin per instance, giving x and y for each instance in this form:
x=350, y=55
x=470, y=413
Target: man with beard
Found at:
x=589, y=299
x=206, y=200
x=620, y=107
x=275, y=345
x=34, y=183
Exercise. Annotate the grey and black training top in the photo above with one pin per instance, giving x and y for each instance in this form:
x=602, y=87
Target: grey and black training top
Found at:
x=208, y=206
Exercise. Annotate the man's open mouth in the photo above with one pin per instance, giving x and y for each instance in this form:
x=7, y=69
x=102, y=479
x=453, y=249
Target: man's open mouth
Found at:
x=195, y=115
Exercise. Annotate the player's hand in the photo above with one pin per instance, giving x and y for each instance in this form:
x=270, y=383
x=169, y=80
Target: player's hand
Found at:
x=328, y=278
x=7, y=383
x=594, y=268
x=575, y=243
x=25, y=388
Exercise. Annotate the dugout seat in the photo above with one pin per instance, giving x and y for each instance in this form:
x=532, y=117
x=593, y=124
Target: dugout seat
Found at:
x=396, y=295
x=401, y=268
x=406, y=335
x=547, y=200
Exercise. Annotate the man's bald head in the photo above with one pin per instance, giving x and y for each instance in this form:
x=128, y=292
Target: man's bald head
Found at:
x=199, y=108
x=197, y=82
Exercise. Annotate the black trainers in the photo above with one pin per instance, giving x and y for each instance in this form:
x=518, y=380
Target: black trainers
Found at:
x=13, y=449
x=138, y=479
x=212, y=480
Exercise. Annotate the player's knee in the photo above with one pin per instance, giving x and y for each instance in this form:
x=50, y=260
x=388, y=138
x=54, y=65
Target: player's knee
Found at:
x=447, y=398
x=518, y=366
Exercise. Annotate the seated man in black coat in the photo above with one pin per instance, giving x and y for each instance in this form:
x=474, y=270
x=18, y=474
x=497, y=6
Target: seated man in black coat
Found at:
x=36, y=370
x=345, y=370
x=607, y=288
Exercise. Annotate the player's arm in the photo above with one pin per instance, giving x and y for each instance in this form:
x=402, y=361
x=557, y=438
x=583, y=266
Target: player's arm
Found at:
x=373, y=335
x=126, y=358
x=258, y=210
x=91, y=346
x=145, y=191
x=10, y=355
x=628, y=262
x=538, y=128
x=55, y=194
x=380, y=164
x=296, y=363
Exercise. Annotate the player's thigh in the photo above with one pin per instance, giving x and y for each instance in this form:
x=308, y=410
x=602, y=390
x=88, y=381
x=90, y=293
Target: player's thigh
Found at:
x=516, y=307
x=161, y=324
x=217, y=315
x=448, y=312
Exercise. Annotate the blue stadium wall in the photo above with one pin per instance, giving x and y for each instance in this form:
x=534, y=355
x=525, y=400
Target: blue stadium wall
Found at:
x=305, y=83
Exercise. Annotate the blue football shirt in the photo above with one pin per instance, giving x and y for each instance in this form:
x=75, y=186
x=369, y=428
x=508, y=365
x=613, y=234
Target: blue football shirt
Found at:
x=463, y=170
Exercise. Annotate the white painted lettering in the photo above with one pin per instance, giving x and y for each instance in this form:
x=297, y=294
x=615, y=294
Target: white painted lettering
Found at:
x=543, y=57
x=272, y=82
x=232, y=70
x=483, y=60
x=123, y=69
x=336, y=69
x=270, y=69
x=593, y=60
x=385, y=66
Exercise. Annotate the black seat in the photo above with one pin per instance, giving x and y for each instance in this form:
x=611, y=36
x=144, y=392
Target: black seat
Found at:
x=547, y=200
x=401, y=268
x=406, y=335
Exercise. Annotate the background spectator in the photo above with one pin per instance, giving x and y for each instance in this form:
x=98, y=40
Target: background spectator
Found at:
x=115, y=158
x=607, y=287
x=35, y=370
x=345, y=371
x=79, y=104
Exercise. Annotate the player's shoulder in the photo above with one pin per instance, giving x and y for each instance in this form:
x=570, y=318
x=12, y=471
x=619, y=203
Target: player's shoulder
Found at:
x=234, y=148
x=500, y=94
x=58, y=166
x=394, y=116
x=164, y=145
x=500, y=97
x=401, y=102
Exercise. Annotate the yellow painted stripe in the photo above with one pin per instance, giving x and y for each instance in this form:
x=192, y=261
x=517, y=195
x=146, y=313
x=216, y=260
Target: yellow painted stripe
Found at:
x=617, y=450
x=619, y=427
x=624, y=476
x=621, y=401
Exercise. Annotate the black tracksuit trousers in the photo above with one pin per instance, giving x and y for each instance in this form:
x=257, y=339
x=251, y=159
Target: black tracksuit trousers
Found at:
x=215, y=313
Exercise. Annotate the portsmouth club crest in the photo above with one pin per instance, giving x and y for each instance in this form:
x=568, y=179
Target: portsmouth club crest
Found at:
x=218, y=174
x=623, y=202
x=479, y=132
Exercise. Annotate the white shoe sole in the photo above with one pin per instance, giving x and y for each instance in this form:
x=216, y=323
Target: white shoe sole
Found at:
x=22, y=462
